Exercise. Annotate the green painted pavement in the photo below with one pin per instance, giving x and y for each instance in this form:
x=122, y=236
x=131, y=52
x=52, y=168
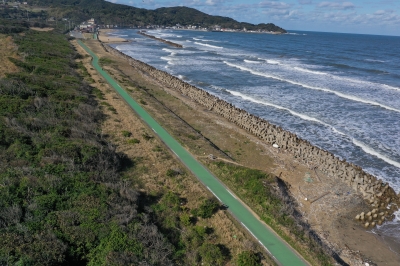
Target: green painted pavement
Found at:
x=280, y=251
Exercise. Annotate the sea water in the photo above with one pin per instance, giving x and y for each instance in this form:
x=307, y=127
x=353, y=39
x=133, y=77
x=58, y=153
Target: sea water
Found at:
x=341, y=92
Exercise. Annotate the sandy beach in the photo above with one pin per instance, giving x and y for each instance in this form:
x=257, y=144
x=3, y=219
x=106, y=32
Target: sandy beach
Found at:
x=106, y=38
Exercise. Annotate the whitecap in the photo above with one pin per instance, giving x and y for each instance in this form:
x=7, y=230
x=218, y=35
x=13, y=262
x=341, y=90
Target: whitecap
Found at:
x=342, y=95
x=371, y=151
x=272, y=62
x=209, y=45
x=374, y=60
x=302, y=116
x=251, y=62
x=310, y=71
x=358, y=143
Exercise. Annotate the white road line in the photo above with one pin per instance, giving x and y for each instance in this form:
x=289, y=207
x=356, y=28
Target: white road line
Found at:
x=250, y=232
x=175, y=153
x=266, y=249
x=231, y=194
x=153, y=130
x=214, y=194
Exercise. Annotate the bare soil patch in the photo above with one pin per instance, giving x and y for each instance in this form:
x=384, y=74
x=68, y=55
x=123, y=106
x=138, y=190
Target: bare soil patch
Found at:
x=7, y=49
x=41, y=29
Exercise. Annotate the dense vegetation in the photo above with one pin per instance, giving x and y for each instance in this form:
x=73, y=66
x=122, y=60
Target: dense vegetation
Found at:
x=268, y=196
x=109, y=13
x=63, y=198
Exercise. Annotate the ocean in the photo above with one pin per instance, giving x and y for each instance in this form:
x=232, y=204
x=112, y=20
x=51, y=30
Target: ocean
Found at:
x=341, y=92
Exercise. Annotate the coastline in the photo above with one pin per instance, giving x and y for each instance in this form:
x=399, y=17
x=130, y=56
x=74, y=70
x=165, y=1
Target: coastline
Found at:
x=286, y=169
x=105, y=38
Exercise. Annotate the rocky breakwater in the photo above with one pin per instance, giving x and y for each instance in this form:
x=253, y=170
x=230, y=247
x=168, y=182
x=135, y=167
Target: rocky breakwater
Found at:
x=159, y=39
x=381, y=198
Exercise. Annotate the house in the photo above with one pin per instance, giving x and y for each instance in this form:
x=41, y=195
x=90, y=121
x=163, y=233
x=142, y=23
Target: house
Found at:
x=84, y=25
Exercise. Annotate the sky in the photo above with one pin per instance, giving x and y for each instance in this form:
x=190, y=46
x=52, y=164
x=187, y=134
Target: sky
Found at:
x=380, y=17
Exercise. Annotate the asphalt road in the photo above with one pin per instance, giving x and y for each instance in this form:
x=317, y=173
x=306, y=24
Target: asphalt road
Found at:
x=278, y=249
x=76, y=34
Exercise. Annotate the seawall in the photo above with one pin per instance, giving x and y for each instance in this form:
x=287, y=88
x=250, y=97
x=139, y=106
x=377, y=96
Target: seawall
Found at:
x=159, y=39
x=377, y=193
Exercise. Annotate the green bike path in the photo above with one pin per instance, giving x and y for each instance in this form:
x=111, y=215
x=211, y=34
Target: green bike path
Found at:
x=281, y=252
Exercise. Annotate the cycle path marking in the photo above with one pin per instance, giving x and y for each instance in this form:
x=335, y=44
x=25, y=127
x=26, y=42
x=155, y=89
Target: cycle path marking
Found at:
x=276, y=247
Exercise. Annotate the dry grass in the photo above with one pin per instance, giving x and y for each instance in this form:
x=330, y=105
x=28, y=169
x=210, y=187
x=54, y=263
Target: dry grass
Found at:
x=192, y=126
x=151, y=158
x=41, y=29
x=7, y=49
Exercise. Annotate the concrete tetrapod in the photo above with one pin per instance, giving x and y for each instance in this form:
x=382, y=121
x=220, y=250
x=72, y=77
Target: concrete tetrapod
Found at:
x=280, y=251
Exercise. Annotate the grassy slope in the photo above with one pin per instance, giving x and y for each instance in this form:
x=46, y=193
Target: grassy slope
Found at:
x=63, y=199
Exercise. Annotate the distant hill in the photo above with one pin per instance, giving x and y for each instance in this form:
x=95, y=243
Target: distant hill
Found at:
x=109, y=13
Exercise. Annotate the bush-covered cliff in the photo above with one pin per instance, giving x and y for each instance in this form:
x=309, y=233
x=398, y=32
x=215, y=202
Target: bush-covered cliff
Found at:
x=109, y=13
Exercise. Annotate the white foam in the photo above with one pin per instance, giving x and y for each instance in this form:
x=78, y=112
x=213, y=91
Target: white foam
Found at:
x=375, y=153
x=196, y=39
x=358, y=143
x=372, y=84
x=302, y=116
x=310, y=71
x=374, y=60
x=251, y=62
x=342, y=95
x=391, y=87
x=209, y=45
x=167, y=50
x=169, y=61
x=188, y=41
x=272, y=62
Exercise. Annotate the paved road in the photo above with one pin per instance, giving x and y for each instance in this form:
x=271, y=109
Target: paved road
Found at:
x=76, y=34
x=280, y=251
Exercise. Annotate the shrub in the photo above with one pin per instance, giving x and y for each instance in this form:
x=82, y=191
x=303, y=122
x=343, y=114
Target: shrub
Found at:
x=171, y=173
x=126, y=134
x=106, y=61
x=133, y=141
x=206, y=209
x=185, y=219
x=247, y=258
x=147, y=136
x=211, y=255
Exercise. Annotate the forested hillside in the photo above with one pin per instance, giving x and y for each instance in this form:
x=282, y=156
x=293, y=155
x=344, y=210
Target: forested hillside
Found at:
x=109, y=13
